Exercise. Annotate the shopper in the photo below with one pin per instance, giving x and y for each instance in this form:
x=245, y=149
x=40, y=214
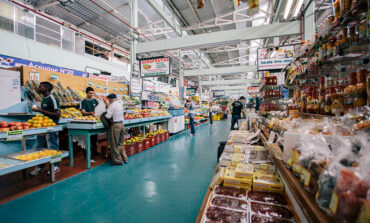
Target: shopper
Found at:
x=210, y=113
x=237, y=109
x=87, y=107
x=191, y=107
x=49, y=107
x=116, y=131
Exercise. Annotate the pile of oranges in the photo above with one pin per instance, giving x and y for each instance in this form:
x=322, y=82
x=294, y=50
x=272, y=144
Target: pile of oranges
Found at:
x=40, y=121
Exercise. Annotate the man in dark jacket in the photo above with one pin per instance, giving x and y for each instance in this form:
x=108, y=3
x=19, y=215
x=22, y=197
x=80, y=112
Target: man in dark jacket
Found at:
x=237, y=109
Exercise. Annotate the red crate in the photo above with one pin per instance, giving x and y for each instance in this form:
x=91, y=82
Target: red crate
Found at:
x=130, y=149
x=157, y=139
x=163, y=137
x=151, y=141
x=167, y=134
x=146, y=144
x=139, y=147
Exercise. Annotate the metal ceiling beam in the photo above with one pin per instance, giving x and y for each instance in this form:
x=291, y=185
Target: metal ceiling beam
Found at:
x=228, y=82
x=175, y=27
x=229, y=36
x=45, y=5
x=169, y=20
x=221, y=70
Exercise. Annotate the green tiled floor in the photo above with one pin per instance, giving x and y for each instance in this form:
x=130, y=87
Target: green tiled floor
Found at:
x=164, y=184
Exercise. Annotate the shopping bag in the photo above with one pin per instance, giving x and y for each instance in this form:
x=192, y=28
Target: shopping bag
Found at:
x=100, y=108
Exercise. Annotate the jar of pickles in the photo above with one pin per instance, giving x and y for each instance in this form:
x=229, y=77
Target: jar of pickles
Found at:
x=361, y=95
x=349, y=91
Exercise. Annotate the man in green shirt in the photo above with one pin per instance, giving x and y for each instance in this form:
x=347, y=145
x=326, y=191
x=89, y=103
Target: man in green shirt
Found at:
x=87, y=107
x=49, y=107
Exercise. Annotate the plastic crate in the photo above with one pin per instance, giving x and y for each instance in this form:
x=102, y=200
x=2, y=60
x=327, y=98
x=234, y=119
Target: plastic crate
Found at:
x=130, y=149
x=139, y=147
x=146, y=144
x=167, y=134
x=152, y=141
x=157, y=139
x=163, y=137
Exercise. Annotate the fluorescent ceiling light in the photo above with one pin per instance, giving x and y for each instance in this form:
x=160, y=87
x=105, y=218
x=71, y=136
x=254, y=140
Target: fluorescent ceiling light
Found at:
x=287, y=8
x=297, y=9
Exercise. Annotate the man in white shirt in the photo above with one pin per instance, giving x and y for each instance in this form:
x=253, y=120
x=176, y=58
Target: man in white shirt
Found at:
x=116, y=131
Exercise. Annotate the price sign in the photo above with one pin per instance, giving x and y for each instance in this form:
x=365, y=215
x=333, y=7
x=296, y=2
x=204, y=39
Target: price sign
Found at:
x=99, y=125
x=55, y=158
x=271, y=137
x=14, y=135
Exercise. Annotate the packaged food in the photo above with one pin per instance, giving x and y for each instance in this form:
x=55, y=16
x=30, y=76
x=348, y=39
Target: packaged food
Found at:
x=269, y=198
x=218, y=178
x=230, y=180
x=225, y=159
x=230, y=192
x=231, y=203
x=255, y=156
x=255, y=218
x=244, y=170
x=274, y=185
x=265, y=166
x=273, y=211
x=218, y=214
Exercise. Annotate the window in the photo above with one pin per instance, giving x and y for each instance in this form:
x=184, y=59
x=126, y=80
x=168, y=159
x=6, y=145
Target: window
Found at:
x=25, y=23
x=6, y=17
x=48, y=32
x=96, y=50
x=163, y=79
x=79, y=44
x=68, y=37
x=173, y=82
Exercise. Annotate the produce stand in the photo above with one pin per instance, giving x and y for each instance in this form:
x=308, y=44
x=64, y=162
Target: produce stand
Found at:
x=86, y=128
x=15, y=165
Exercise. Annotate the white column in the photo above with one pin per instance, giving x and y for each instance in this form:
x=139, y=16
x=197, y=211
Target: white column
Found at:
x=181, y=73
x=134, y=23
x=200, y=81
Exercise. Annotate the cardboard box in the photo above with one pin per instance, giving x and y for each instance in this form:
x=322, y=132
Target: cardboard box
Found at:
x=244, y=171
x=232, y=181
x=264, y=185
x=217, y=178
x=265, y=175
x=265, y=166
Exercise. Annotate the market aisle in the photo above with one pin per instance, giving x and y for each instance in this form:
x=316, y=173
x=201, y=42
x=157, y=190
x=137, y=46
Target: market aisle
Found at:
x=164, y=184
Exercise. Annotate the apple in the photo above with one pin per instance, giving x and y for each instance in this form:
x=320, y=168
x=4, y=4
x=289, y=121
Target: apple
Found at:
x=5, y=129
x=26, y=127
x=3, y=125
x=25, y=123
x=19, y=127
x=13, y=127
x=11, y=123
x=18, y=123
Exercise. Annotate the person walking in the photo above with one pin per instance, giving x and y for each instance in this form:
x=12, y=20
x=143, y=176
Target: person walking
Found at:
x=210, y=113
x=49, y=107
x=87, y=107
x=237, y=109
x=191, y=107
x=116, y=131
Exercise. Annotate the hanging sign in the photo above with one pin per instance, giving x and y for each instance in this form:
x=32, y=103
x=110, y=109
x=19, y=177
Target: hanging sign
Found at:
x=154, y=67
x=14, y=135
x=275, y=59
x=96, y=77
x=253, y=90
x=191, y=91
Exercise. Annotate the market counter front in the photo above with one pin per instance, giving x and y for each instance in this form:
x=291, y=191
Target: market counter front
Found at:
x=88, y=128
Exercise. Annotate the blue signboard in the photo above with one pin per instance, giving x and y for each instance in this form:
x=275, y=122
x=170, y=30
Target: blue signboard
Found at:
x=16, y=62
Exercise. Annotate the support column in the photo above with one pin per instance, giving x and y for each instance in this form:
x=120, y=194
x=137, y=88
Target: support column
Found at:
x=134, y=36
x=309, y=21
x=181, y=74
x=200, y=81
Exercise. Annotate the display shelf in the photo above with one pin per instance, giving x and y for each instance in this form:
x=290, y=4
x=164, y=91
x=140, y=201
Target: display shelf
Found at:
x=20, y=165
x=29, y=132
x=305, y=201
x=316, y=115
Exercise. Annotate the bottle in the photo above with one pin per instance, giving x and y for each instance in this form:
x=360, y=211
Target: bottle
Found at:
x=328, y=103
x=322, y=104
x=361, y=95
x=337, y=9
x=349, y=92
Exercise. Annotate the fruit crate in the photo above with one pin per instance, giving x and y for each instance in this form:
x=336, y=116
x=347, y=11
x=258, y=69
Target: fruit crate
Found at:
x=167, y=134
x=157, y=139
x=146, y=144
x=139, y=147
x=152, y=141
x=130, y=149
x=163, y=137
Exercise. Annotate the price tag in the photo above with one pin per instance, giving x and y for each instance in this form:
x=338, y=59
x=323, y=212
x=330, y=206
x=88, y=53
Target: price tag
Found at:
x=99, y=125
x=14, y=135
x=55, y=158
x=50, y=128
x=271, y=137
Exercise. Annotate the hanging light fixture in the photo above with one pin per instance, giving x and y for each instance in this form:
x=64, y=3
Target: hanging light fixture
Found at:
x=298, y=8
x=287, y=8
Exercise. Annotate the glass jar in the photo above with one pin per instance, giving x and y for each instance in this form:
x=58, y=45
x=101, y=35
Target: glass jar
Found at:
x=327, y=103
x=337, y=9
x=349, y=92
x=361, y=95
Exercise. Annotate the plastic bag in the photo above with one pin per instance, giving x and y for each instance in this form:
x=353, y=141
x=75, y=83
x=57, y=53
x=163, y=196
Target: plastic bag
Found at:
x=100, y=108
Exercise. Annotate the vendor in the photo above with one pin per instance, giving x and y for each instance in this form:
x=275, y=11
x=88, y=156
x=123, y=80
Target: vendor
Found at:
x=116, y=131
x=49, y=107
x=210, y=113
x=191, y=107
x=87, y=107
x=237, y=109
